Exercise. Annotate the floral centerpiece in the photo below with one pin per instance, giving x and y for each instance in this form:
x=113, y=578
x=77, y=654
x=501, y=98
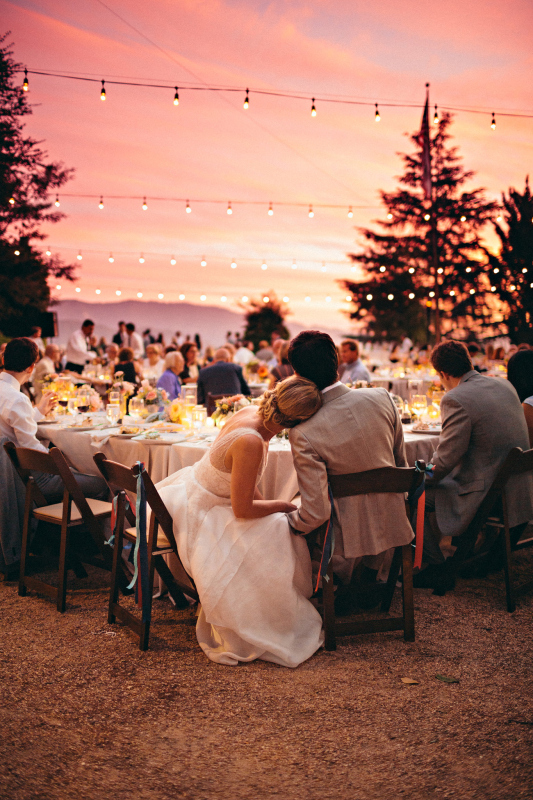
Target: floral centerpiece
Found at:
x=124, y=388
x=227, y=407
x=153, y=398
x=175, y=411
x=263, y=372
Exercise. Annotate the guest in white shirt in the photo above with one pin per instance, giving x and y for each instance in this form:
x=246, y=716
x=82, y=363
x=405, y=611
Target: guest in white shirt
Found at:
x=79, y=350
x=152, y=366
x=18, y=420
x=134, y=341
x=35, y=336
x=244, y=354
x=46, y=366
x=352, y=368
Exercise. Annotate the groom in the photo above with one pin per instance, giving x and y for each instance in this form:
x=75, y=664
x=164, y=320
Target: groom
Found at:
x=354, y=431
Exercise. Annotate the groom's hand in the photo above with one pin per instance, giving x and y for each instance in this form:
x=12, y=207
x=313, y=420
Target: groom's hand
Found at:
x=286, y=508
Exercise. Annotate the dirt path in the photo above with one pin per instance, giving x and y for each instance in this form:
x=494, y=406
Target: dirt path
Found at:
x=84, y=714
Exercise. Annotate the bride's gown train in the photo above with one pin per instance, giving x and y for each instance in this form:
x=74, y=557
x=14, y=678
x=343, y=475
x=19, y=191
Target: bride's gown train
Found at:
x=253, y=576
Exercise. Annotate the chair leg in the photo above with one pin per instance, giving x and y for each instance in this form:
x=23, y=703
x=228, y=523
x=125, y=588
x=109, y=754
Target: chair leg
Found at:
x=25, y=542
x=145, y=629
x=166, y=576
x=113, y=591
x=328, y=611
x=391, y=580
x=508, y=570
x=407, y=594
x=63, y=568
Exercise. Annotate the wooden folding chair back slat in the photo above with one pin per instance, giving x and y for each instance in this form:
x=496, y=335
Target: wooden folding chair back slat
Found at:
x=210, y=402
x=493, y=511
x=26, y=461
x=395, y=480
x=122, y=481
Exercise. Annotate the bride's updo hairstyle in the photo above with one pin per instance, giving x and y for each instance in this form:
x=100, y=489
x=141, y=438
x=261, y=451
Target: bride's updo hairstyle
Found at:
x=291, y=401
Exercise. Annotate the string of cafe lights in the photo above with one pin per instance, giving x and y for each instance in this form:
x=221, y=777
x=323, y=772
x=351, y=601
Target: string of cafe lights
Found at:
x=299, y=96
x=234, y=263
x=188, y=204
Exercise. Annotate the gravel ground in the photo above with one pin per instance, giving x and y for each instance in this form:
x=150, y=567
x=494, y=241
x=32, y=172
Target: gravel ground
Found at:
x=85, y=714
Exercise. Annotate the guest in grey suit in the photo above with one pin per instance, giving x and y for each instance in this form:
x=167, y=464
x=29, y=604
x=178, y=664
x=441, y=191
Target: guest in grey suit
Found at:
x=482, y=420
x=354, y=431
x=222, y=377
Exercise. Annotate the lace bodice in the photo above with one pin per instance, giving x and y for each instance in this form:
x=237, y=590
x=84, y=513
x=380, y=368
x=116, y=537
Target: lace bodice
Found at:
x=211, y=471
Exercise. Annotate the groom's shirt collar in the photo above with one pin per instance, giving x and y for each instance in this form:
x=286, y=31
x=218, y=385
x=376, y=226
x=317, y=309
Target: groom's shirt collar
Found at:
x=332, y=386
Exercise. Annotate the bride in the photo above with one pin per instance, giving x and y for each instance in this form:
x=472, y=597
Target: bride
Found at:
x=252, y=573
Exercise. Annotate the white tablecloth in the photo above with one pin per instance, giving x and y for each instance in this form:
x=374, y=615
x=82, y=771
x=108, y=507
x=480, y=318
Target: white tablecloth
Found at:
x=400, y=386
x=279, y=480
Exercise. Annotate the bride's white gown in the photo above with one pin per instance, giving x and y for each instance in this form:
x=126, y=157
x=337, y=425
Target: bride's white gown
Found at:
x=253, y=576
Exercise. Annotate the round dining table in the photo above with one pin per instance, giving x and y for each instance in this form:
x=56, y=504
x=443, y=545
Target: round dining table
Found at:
x=171, y=452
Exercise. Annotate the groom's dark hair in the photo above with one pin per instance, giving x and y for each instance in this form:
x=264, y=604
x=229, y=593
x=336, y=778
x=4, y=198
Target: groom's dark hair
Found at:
x=313, y=355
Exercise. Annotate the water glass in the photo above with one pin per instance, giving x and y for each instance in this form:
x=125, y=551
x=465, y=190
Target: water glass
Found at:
x=71, y=406
x=136, y=407
x=419, y=404
x=114, y=397
x=112, y=413
x=199, y=417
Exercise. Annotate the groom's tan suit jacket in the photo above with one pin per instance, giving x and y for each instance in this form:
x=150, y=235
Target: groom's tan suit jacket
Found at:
x=354, y=431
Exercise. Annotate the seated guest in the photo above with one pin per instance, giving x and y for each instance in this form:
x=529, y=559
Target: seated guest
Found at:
x=18, y=420
x=111, y=355
x=283, y=368
x=265, y=352
x=48, y=365
x=482, y=421
x=79, y=346
x=222, y=377
x=352, y=368
x=277, y=344
x=520, y=375
x=170, y=379
x=244, y=354
x=35, y=336
x=126, y=365
x=190, y=371
x=352, y=432
x=152, y=366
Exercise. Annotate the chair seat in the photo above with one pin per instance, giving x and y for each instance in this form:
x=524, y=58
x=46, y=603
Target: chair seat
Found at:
x=162, y=541
x=54, y=513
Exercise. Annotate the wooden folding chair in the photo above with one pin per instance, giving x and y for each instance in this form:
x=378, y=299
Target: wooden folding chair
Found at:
x=210, y=401
x=122, y=481
x=394, y=480
x=494, y=513
x=85, y=511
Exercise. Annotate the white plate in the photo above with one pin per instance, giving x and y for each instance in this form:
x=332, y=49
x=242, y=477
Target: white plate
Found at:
x=164, y=438
x=47, y=421
x=433, y=431
x=117, y=435
x=80, y=429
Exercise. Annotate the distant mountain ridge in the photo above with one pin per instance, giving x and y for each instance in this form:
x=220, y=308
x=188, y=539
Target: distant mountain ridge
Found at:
x=211, y=322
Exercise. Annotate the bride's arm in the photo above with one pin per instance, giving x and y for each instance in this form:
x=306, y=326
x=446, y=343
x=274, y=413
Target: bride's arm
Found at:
x=246, y=454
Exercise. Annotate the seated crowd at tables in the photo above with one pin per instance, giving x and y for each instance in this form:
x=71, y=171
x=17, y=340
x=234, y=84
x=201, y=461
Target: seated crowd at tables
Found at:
x=484, y=418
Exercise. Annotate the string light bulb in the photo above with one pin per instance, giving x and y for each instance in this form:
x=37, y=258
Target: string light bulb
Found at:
x=389, y=215
x=58, y=287
x=77, y=289
x=173, y=261
x=17, y=252
x=101, y=203
x=223, y=298
x=264, y=265
x=411, y=295
x=427, y=217
x=313, y=109
x=203, y=297
x=246, y=101
x=102, y=91
x=266, y=299
x=308, y=299
x=463, y=218
x=118, y=293
x=57, y=203
x=493, y=122
x=229, y=209
x=48, y=252
x=233, y=264
x=382, y=269
x=111, y=259
x=432, y=294
x=499, y=218
x=496, y=270
x=452, y=293
x=440, y=270
x=270, y=210
x=294, y=265
x=11, y=201
x=188, y=208
x=323, y=268
x=176, y=97
x=139, y=294
x=203, y=263
x=411, y=270
x=468, y=269
x=98, y=291
x=25, y=84
x=79, y=256
x=436, y=117
x=328, y=299
x=244, y=298
x=141, y=259
x=377, y=115
x=350, y=213
x=472, y=291
x=348, y=298
x=181, y=297
x=145, y=204
x=390, y=297
x=286, y=299
x=160, y=296
x=311, y=212
x=369, y=296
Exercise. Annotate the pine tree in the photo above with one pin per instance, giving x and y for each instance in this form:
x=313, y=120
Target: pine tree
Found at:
x=26, y=181
x=264, y=317
x=511, y=271
x=397, y=286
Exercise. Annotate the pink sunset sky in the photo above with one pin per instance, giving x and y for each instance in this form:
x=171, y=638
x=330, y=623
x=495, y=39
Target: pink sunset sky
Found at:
x=474, y=54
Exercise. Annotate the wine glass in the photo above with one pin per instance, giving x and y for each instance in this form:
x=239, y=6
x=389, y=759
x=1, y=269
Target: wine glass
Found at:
x=136, y=407
x=84, y=402
x=112, y=412
x=62, y=401
x=419, y=404
x=72, y=406
x=199, y=417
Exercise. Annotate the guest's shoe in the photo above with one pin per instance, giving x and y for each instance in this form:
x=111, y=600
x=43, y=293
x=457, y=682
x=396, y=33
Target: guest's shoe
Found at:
x=439, y=577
